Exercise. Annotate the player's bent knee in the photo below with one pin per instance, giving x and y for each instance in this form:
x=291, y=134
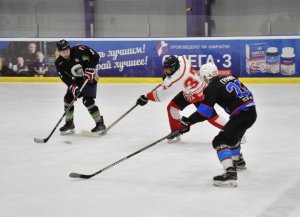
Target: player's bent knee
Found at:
x=173, y=110
x=218, y=141
x=68, y=97
x=88, y=101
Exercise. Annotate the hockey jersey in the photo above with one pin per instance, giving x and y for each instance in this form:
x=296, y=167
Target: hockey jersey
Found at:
x=185, y=79
x=228, y=92
x=71, y=70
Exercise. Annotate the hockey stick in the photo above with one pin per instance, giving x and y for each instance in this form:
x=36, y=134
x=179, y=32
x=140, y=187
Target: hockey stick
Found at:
x=120, y=118
x=126, y=113
x=88, y=133
x=37, y=140
x=83, y=176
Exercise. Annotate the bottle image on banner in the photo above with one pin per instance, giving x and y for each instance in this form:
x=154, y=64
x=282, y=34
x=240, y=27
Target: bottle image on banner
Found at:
x=256, y=58
x=288, y=66
x=272, y=60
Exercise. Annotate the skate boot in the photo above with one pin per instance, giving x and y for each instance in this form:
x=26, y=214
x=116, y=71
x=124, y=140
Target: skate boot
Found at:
x=173, y=138
x=240, y=164
x=100, y=127
x=228, y=179
x=68, y=128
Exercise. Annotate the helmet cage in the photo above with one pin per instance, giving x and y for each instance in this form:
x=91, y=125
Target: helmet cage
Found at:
x=170, y=65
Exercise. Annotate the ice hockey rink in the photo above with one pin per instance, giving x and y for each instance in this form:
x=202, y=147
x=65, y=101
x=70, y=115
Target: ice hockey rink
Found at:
x=167, y=180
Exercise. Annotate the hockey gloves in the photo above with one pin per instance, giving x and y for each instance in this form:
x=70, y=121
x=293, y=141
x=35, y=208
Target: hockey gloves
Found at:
x=89, y=73
x=184, y=125
x=143, y=100
x=75, y=90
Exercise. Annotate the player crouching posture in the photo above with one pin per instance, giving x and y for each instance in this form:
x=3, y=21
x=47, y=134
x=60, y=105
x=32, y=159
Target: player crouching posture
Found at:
x=74, y=66
x=183, y=82
x=237, y=101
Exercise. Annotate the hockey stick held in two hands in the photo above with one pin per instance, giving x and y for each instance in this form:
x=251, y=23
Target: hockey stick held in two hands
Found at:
x=83, y=176
x=37, y=140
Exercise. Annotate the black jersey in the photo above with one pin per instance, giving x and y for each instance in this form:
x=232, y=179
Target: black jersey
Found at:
x=228, y=92
x=71, y=70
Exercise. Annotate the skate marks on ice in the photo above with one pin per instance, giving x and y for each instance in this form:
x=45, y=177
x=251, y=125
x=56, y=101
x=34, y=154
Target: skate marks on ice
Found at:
x=285, y=204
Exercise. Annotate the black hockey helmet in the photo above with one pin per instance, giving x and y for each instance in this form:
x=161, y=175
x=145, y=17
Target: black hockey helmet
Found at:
x=170, y=65
x=62, y=45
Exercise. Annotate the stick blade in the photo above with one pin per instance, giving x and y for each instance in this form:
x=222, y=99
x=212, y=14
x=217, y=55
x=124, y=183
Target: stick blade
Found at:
x=77, y=175
x=37, y=140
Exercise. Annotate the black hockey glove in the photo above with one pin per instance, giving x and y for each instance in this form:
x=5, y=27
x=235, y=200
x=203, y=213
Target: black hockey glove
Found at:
x=184, y=125
x=142, y=100
x=75, y=90
x=89, y=73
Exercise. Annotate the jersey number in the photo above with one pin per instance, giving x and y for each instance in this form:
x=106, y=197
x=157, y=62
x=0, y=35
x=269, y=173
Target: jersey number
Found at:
x=240, y=90
x=191, y=83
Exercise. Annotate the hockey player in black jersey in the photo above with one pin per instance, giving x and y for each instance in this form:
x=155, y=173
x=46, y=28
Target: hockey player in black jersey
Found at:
x=74, y=66
x=238, y=102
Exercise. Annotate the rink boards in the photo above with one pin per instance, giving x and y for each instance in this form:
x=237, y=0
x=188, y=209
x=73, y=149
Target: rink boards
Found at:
x=273, y=59
x=147, y=80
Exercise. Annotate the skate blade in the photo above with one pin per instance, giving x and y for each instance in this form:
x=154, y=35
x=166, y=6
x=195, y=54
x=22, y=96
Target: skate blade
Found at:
x=241, y=167
x=228, y=184
x=68, y=132
x=92, y=134
x=171, y=141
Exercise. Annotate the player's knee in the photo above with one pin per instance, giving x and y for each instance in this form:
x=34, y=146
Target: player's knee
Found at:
x=173, y=105
x=68, y=98
x=218, y=141
x=173, y=110
x=88, y=101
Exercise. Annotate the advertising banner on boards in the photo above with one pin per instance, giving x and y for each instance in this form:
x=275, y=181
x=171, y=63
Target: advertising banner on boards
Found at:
x=143, y=57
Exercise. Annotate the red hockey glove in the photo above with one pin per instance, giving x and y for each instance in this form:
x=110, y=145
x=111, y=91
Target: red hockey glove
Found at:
x=184, y=125
x=75, y=90
x=89, y=73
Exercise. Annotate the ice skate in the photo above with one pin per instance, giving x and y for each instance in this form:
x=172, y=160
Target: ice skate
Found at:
x=68, y=128
x=100, y=127
x=174, y=140
x=228, y=179
x=240, y=164
x=173, y=137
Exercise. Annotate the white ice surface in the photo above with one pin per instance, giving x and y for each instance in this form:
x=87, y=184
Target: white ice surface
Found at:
x=167, y=180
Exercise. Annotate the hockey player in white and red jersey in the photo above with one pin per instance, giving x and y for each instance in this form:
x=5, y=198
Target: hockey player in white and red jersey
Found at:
x=183, y=83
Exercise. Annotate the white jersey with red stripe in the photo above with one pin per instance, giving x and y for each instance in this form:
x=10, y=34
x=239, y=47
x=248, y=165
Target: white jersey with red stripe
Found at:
x=185, y=79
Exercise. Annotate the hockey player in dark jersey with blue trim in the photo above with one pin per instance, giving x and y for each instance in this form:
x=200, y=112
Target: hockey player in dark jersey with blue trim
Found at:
x=74, y=65
x=238, y=102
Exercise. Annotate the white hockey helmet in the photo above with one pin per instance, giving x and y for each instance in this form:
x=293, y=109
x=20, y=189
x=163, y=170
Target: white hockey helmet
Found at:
x=208, y=71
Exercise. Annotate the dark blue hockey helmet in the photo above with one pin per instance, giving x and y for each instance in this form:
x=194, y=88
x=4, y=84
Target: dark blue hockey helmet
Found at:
x=62, y=45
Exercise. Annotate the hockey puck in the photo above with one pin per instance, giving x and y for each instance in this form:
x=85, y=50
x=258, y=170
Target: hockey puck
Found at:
x=68, y=142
